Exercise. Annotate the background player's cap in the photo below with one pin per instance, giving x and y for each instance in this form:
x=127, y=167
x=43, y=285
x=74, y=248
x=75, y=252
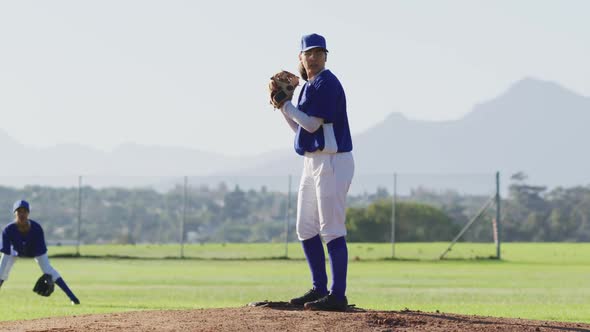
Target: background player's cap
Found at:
x=20, y=204
x=312, y=41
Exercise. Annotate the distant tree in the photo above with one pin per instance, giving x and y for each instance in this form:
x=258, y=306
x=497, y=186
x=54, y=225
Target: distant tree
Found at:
x=414, y=222
x=235, y=204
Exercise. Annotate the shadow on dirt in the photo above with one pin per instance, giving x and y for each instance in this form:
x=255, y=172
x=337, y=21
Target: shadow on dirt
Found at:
x=280, y=305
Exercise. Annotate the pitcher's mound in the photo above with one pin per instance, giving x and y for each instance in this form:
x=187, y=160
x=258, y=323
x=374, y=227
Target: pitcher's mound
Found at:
x=280, y=316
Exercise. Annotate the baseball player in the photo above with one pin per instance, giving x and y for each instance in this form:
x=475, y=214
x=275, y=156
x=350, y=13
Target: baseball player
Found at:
x=24, y=238
x=322, y=137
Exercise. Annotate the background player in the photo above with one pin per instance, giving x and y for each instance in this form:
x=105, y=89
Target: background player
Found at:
x=25, y=238
x=323, y=139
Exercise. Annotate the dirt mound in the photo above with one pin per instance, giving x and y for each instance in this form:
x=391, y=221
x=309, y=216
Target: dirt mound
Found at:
x=279, y=316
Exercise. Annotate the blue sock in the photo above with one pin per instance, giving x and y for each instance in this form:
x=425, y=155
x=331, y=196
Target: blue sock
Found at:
x=314, y=252
x=339, y=261
x=64, y=287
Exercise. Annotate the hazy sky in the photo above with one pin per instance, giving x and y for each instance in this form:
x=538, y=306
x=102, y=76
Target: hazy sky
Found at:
x=194, y=73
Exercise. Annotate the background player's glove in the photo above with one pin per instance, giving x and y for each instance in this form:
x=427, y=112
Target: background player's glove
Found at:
x=44, y=286
x=281, y=88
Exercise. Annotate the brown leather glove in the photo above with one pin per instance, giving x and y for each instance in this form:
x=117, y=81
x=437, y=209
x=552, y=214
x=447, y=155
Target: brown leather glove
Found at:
x=281, y=88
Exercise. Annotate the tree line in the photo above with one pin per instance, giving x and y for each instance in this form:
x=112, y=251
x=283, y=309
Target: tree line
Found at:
x=222, y=214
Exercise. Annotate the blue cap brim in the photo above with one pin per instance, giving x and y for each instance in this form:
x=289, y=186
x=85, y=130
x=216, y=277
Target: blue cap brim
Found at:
x=312, y=47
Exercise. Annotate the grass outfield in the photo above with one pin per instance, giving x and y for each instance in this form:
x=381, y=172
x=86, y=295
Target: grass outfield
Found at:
x=550, y=253
x=537, y=281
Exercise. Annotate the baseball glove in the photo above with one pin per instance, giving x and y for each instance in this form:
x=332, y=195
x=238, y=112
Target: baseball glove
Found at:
x=44, y=286
x=281, y=88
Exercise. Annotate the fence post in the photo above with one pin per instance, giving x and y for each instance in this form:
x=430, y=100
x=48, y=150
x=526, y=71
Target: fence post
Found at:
x=287, y=217
x=79, y=215
x=393, y=202
x=498, y=214
x=183, y=219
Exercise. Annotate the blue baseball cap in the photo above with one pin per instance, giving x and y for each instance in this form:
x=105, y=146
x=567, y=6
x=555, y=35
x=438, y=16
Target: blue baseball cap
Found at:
x=20, y=204
x=312, y=41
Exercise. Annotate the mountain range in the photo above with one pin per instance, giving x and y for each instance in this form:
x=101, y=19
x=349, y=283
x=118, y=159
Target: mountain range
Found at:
x=535, y=126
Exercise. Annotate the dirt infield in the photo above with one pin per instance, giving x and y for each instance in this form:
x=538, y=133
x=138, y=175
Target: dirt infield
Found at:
x=280, y=317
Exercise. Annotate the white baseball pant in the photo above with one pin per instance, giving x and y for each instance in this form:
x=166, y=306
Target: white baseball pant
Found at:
x=7, y=261
x=321, y=205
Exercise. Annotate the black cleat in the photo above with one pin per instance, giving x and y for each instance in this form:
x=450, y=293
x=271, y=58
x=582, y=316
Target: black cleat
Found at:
x=310, y=296
x=75, y=301
x=327, y=303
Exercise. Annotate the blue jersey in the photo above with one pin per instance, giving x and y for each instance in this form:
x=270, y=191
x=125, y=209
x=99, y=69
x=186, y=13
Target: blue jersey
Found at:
x=324, y=98
x=31, y=244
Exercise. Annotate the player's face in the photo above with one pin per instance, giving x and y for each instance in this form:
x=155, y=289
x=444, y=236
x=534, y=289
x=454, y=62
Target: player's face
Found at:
x=21, y=214
x=313, y=61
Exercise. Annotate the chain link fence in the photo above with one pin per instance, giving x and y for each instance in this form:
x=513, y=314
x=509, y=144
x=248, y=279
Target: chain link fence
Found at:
x=214, y=217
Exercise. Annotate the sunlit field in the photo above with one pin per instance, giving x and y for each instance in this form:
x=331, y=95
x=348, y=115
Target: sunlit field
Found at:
x=547, y=281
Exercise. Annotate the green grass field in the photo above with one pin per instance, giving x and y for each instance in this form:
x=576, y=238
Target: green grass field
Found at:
x=537, y=281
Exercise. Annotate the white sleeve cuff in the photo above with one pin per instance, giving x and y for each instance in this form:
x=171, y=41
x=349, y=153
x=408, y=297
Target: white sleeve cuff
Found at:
x=294, y=126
